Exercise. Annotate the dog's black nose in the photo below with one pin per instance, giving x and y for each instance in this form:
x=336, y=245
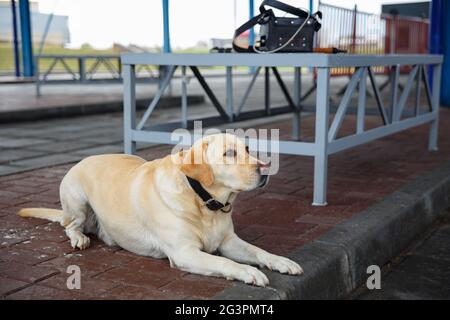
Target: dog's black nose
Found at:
x=264, y=178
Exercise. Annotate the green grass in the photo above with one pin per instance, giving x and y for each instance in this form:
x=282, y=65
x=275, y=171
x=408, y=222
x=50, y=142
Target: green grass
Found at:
x=7, y=57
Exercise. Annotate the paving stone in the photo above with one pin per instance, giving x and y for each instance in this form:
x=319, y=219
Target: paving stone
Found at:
x=52, y=232
x=314, y=219
x=132, y=277
x=9, y=194
x=8, y=285
x=150, y=265
x=89, y=268
x=23, y=256
x=28, y=181
x=12, y=201
x=38, y=292
x=45, y=246
x=99, y=150
x=86, y=131
x=124, y=292
x=7, y=155
x=105, y=139
x=6, y=142
x=26, y=273
x=46, y=160
x=90, y=286
x=200, y=288
x=11, y=237
x=7, y=169
x=61, y=146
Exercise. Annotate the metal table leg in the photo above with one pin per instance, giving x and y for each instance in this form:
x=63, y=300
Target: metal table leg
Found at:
x=129, y=108
x=321, y=139
x=38, y=77
x=184, y=97
x=229, y=80
x=267, y=89
x=433, y=136
x=297, y=97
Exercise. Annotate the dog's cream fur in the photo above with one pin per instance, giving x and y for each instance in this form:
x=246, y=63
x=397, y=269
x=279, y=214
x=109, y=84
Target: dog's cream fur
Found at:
x=150, y=209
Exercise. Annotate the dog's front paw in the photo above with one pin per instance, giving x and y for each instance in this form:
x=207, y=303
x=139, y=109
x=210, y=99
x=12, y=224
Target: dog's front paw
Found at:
x=78, y=240
x=251, y=275
x=282, y=265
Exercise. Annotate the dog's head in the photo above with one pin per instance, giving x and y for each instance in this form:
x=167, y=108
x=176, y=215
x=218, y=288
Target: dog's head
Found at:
x=223, y=159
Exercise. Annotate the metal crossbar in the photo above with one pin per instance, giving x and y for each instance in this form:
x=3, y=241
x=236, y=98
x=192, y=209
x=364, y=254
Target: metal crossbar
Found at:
x=158, y=96
x=342, y=109
x=326, y=140
x=380, y=103
x=111, y=73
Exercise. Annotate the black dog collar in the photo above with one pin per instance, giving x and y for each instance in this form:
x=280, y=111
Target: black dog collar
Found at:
x=210, y=202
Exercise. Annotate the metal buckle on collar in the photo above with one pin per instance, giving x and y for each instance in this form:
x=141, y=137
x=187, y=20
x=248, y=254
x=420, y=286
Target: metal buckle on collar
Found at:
x=214, y=205
x=227, y=208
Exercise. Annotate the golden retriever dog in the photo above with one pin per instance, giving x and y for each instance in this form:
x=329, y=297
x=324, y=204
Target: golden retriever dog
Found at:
x=177, y=207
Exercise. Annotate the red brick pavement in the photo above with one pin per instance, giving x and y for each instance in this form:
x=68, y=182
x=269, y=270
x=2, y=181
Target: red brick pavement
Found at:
x=34, y=254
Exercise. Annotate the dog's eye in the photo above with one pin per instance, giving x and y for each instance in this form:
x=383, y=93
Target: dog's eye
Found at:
x=230, y=153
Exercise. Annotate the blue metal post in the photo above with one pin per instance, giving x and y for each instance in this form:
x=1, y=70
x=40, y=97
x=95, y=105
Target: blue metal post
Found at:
x=440, y=43
x=15, y=41
x=25, y=30
x=251, y=11
x=251, y=35
x=166, y=44
x=311, y=6
x=434, y=36
x=445, y=44
x=435, y=32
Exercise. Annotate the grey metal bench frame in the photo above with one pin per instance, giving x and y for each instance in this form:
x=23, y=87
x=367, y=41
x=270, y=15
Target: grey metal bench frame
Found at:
x=81, y=75
x=326, y=141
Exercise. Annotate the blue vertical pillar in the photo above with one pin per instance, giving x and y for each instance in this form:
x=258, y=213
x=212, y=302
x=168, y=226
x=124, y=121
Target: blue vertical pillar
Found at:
x=435, y=31
x=15, y=41
x=166, y=44
x=27, y=46
x=251, y=35
x=445, y=44
x=311, y=6
x=251, y=14
x=439, y=43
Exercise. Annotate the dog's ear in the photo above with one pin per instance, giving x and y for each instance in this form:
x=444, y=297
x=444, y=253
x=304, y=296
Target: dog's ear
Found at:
x=195, y=166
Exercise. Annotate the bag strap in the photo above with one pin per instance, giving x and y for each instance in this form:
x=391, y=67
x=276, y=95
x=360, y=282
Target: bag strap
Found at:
x=283, y=7
x=246, y=26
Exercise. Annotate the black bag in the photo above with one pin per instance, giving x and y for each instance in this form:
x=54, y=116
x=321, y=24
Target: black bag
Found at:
x=281, y=34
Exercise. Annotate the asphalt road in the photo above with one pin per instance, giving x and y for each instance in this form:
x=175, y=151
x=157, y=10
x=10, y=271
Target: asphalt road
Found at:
x=422, y=273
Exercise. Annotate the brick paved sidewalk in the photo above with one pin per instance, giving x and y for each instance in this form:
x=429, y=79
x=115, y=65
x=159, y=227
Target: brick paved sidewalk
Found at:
x=34, y=254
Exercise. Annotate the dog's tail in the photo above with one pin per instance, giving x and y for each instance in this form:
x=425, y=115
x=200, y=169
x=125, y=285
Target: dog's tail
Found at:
x=54, y=215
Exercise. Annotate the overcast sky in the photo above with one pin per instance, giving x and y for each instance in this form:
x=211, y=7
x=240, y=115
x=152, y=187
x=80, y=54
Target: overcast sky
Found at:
x=103, y=22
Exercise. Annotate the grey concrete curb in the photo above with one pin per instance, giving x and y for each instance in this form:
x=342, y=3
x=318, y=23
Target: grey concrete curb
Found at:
x=336, y=263
x=89, y=109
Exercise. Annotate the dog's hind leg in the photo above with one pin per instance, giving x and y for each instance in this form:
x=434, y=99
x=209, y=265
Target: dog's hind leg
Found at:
x=76, y=210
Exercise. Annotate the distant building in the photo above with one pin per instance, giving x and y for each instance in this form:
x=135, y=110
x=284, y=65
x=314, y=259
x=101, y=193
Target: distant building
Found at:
x=58, y=33
x=412, y=9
